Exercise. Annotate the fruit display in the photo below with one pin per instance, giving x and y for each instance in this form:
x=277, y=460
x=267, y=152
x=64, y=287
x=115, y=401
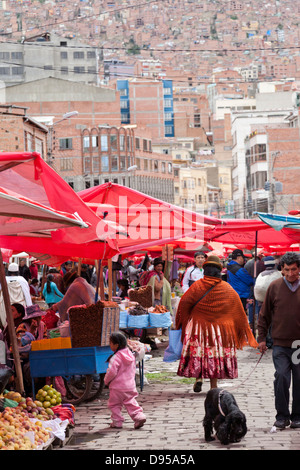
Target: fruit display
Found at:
x=25, y=423
x=48, y=397
x=16, y=428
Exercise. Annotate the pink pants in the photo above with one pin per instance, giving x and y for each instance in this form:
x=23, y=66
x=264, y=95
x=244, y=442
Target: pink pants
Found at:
x=118, y=399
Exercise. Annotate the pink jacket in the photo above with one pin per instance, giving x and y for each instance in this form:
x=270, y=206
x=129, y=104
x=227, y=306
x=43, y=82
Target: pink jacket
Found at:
x=121, y=371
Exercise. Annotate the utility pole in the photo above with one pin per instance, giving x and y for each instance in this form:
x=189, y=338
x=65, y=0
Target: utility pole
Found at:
x=272, y=197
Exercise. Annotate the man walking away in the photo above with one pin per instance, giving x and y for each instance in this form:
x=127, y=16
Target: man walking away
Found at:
x=281, y=308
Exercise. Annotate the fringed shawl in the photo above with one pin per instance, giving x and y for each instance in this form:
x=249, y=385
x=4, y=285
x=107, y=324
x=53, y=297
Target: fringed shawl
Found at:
x=220, y=308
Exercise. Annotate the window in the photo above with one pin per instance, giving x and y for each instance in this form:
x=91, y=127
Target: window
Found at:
x=79, y=69
x=94, y=139
x=16, y=55
x=4, y=55
x=65, y=144
x=48, y=67
x=29, y=140
x=104, y=163
x=86, y=143
x=87, y=164
x=168, y=116
x=137, y=143
x=167, y=103
x=123, y=92
x=122, y=141
x=170, y=168
x=155, y=165
x=113, y=143
x=163, y=167
x=123, y=104
x=145, y=146
x=138, y=163
x=92, y=70
x=96, y=165
x=64, y=70
x=122, y=162
x=167, y=91
x=104, y=143
x=39, y=148
x=259, y=153
x=168, y=130
x=63, y=55
x=78, y=55
x=197, y=120
x=66, y=164
x=17, y=70
x=114, y=163
x=4, y=71
x=91, y=55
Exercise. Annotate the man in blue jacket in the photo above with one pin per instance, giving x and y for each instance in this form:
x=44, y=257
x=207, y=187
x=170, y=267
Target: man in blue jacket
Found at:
x=238, y=277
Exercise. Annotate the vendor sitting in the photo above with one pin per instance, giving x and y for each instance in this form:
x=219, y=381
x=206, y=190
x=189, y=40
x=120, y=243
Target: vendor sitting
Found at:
x=160, y=285
x=32, y=326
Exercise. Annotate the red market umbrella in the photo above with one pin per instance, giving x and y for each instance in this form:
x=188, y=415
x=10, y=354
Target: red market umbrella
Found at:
x=146, y=221
x=36, y=180
x=248, y=234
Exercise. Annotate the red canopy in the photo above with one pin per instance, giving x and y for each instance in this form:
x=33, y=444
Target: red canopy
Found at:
x=33, y=178
x=245, y=233
x=143, y=220
x=20, y=216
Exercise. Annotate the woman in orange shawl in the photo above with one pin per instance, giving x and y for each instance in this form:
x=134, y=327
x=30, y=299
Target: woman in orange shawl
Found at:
x=213, y=328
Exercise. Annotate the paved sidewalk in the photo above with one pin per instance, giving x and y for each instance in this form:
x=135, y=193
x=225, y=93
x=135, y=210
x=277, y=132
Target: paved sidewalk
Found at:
x=175, y=413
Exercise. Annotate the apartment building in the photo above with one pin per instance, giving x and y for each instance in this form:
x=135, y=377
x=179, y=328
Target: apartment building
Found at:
x=148, y=103
x=87, y=143
x=48, y=55
x=251, y=152
x=20, y=133
x=122, y=156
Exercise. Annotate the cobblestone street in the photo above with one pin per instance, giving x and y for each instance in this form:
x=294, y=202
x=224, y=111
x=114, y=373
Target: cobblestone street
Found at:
x=175, y=413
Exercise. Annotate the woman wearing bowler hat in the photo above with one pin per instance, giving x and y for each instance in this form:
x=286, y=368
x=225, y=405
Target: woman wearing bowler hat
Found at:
x=214, y=325
x=32, y=322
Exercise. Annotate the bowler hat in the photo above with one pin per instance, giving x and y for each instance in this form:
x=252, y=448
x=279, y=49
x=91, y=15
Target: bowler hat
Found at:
x=214, y=260
x=33, y=311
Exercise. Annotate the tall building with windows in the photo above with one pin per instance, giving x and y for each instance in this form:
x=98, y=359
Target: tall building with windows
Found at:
x=148, y=103
x=48, y=55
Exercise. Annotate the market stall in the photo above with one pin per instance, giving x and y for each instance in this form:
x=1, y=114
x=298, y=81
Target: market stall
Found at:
x=22, y=422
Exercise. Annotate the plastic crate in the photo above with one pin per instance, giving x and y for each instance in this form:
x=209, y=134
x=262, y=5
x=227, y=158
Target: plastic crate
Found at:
x=72, y=361
x=160, y=320
x=123, y=319
x=52, y=343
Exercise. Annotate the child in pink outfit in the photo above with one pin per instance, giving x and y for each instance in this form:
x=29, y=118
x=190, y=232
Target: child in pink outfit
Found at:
x=120, y=377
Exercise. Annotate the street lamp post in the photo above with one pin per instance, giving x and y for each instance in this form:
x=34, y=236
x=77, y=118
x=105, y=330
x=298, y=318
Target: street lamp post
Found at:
x=129, y=169
x=50, y=140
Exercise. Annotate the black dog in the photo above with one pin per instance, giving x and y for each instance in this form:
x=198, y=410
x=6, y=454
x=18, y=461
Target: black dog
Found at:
x=223, y=414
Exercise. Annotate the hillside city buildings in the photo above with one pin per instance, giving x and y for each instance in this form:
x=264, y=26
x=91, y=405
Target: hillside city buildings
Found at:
x=195, y=103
